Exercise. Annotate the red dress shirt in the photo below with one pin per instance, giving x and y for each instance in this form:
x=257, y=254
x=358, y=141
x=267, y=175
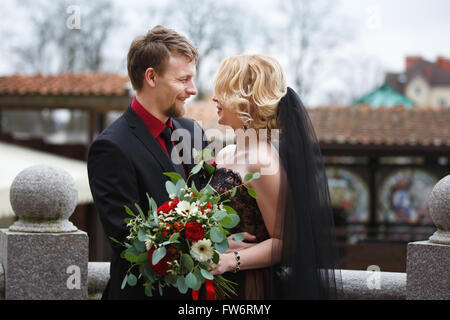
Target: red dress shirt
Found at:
x=153, y=124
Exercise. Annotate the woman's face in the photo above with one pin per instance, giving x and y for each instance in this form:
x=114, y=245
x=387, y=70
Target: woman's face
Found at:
x=227, y=116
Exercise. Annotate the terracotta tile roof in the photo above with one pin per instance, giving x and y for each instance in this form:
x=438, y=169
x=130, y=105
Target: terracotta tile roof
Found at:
x=393, y=126
x=65, y=84
x=384, y=126
x=435, y=75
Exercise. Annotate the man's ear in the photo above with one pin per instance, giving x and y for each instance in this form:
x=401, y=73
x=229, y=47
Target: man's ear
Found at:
x=150, y=77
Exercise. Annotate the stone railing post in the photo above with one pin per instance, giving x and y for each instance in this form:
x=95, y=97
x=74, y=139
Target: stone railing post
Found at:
x=43, y=255
x=428, y=262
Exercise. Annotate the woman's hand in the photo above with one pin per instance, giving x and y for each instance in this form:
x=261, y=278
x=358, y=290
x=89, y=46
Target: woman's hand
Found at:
x=227, y=262
x=240, y=245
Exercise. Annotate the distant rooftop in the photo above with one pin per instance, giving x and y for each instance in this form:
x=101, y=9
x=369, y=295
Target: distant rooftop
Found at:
x=396, y=126
x=434, y=73
x=65, y=84
x=384, y=96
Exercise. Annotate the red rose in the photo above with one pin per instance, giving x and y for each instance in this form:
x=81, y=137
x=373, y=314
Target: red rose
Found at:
x=212, y=162
x=194, y=231
x=168, y=206
x=161, y=267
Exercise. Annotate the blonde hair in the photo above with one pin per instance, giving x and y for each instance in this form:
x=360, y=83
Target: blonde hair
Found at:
x=252, y=85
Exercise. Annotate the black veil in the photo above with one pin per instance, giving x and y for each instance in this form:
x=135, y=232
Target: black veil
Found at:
x=309, y=267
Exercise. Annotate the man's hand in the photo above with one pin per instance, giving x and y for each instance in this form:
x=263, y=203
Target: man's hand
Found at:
x=240, y=245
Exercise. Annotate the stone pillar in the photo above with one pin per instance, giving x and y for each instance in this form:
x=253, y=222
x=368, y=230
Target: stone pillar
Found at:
x=44, y=256
x=428, y=262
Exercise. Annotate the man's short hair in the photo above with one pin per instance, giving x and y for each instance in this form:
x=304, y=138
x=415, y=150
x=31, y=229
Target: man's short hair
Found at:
x=153, y=51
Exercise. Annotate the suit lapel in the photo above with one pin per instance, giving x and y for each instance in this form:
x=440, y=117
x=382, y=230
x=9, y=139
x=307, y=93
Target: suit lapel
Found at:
x=140, y=130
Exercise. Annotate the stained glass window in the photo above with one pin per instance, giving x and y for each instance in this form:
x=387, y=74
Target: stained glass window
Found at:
x=349, y=193
x=402, y=196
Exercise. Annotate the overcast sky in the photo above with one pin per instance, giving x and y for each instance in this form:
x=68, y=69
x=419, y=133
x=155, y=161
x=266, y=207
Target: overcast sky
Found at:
x=384, y=31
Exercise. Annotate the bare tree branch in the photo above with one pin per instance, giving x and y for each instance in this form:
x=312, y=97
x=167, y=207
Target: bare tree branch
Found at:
x=214, y=27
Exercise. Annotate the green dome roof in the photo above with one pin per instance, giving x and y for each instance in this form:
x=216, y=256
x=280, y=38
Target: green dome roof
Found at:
x=384, y=96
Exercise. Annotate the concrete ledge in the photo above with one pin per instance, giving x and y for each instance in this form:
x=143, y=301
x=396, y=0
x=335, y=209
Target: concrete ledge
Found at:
x=98, y=276
x=2, y=283
x=392, y=285
x=366, y=285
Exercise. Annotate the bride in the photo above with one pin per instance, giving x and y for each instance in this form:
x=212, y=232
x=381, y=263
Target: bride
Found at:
x=289, y=252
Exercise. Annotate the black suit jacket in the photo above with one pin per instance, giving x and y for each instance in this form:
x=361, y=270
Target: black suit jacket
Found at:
x=124, y=163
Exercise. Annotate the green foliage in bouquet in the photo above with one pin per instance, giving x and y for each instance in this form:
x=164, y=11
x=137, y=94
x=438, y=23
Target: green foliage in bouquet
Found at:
x=175, y=244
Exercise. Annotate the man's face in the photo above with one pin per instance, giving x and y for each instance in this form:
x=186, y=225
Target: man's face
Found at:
x=176, y=85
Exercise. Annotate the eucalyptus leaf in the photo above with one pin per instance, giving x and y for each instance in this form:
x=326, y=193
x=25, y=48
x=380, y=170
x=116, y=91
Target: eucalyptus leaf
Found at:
x=222, y=247
x=215, y=257
x=181, y=285
x=129, y=211
x=131, y=257
x=165, y=243
x=124, y=282
x=143, y=257
x=171, y=279
x=229, y=209
x=187, y=262
x=148, y=290
x=170, y=187
x=174, y=177
x=181, y=184
x=208, y=190
x=199, y=276
x=152, y=203
x=196, y=169
x=252, y=193
x=233, y=193
x=115, y=240
x=142, y=235
x=141, y=213
x=206, y=274
x=219, y=215
x=234, y=221
x=174, y=238
x=216, y=235
x=227, y=220
x=192, y=282
x=248, y=177
x=131, y=279
x=139, y=245
x=158, y=254
x=209, y=168
x=238, y=237
x=148, y=272
x=193, y=187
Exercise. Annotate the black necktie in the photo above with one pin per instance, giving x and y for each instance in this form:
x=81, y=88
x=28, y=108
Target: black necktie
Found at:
x=166, y=134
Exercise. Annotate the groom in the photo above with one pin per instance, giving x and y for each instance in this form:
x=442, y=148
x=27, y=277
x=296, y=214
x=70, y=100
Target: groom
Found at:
x=127, y=160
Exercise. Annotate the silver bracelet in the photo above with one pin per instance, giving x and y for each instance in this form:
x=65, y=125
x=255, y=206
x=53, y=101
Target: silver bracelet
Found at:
x=238, y=261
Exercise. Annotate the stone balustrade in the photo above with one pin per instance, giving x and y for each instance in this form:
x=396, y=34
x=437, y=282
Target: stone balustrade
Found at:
x=56, y=264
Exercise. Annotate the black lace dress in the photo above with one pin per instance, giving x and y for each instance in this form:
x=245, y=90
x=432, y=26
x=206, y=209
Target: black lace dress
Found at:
x=252, y=284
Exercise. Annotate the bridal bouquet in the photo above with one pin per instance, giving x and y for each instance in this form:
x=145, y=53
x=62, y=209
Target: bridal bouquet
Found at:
x=174, y=244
